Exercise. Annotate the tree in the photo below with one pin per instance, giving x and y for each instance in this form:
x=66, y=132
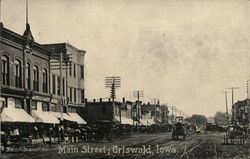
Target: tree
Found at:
x=197, y=119
x=220, y=118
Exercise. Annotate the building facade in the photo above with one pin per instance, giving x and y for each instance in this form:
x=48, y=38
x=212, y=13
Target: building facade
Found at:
x=25, y=69
x=73, y=88
x=241, y=112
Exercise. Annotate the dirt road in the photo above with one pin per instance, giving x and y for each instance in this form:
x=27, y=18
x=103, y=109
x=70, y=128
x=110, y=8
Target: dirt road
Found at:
x=160, y=145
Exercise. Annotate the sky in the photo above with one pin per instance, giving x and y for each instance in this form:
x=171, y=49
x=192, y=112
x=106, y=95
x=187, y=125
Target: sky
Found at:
x=186, y=53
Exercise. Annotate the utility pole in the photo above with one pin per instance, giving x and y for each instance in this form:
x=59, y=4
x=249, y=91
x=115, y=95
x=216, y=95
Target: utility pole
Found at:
x=113, y=83
x=60, y=63
x=226, y=105
x=61, y=96
x=233, y=88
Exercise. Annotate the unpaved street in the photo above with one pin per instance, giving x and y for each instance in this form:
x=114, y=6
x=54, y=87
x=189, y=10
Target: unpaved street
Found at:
x=204, y=145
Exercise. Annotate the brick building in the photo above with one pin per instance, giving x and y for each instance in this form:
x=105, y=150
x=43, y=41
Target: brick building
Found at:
x=25, y=73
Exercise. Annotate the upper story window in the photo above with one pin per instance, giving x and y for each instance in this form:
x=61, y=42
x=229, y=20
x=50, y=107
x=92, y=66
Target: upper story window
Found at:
x=70, y=94
x=35, y=78
x=74, y=95
x=63, y=86
x=28, y=75
x=54, y=84
x=5, y=70
x=45, y=81
x=82, y=96
x=70, y=69
x=82, y=72
x=58, y=85
x=18, y=73
x=74, y=69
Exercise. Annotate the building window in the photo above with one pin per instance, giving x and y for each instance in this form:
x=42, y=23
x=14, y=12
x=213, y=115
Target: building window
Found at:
x=74, y=70
x=63, y=84
x=53, y=107
x=70, y=69
x=72, y=110
x=35, y=78
x=70, y=94
x=74, y=95
x=34, y=105
x=58, y=85
x=28, y=75
x=82, y=96
x=17, y=64
x=18, y=103
x=5, y=70
x=82, y=71
x=54, y=84
x=45, y=81
x=45, y=106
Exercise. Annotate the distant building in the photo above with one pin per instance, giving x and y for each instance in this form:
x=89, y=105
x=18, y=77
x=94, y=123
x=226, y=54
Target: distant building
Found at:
x=73, y=77
x=125, y=112
x=241, y=112
x=156, y=112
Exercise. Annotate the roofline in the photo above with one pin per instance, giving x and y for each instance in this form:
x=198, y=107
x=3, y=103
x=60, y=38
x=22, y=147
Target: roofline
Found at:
x=67, y=45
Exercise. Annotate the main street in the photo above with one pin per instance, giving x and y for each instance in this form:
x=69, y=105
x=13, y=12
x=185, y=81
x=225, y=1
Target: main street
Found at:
x=157, y=145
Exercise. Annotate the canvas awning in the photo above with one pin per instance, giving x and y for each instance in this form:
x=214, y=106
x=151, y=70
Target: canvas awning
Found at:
x=144, y=122
x=125, y=120
x=15, y=115
x=64, y=116
x=150, y=122
x=45, y=117
x=76, y=117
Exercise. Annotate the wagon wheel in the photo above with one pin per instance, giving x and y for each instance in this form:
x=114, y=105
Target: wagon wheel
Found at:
x=39, y=146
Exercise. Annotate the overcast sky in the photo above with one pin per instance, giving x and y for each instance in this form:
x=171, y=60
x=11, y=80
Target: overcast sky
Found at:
x=183, y=52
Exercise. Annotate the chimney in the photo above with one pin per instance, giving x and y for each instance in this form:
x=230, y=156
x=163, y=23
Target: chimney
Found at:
x=123, y=100
x=85, y=100
x=148, y=103
x=100, y=99
x=109, y=99
x=93, y=100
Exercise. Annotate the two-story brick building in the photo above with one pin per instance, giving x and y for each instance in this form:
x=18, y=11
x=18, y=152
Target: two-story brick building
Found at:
x=25, y=73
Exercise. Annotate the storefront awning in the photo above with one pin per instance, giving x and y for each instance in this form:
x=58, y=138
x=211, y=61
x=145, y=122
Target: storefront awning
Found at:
x=125, y=120
x=58, y=115
x=15, y=115
x=75, y=117
x=150, y=121
x=144, y=122
x=45, y=117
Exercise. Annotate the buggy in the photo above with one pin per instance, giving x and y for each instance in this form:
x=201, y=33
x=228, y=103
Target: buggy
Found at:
x=235, y=135
x=179, y=130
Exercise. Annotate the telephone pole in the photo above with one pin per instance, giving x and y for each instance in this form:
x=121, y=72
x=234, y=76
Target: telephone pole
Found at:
x=226, y=105
x=233, y=88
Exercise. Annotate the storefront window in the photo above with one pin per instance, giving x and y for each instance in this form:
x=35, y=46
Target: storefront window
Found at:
x=45, y=106
x=34, y=105
x=18, y=103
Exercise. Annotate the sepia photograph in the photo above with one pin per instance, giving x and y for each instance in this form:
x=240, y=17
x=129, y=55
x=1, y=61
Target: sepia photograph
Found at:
x=124, y=79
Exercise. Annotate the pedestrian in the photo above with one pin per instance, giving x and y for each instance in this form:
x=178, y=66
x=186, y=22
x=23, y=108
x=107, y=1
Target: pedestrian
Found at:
x=41, y=134
x=50, y=134
x=62, y=133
